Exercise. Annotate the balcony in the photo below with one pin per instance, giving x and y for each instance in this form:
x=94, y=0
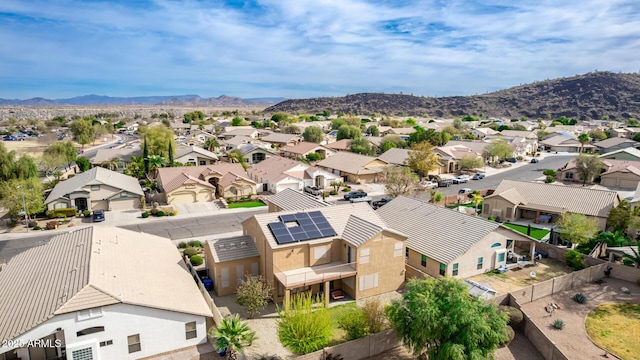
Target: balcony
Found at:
x=315, y=274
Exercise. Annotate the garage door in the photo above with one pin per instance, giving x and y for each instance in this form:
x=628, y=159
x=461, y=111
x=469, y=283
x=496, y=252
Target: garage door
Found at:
x=628, y=184
x=125, y=204
x=100, y=205
x=609, y=182
x=294, y=186
x=185, y=197
x=205, y=196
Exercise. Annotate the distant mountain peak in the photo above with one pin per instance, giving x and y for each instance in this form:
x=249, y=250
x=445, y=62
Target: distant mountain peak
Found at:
x=182, y=100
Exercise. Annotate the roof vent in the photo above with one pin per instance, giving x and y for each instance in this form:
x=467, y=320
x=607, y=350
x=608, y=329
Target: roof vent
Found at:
x=232, y=245
x=243, y=244
x=221, y=247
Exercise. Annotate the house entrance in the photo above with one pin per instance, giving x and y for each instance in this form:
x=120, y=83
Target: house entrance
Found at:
x=81, y=204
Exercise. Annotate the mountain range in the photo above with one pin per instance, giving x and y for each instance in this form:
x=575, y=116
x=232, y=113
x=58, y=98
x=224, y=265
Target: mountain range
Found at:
x=180, y=100
x=594, y=95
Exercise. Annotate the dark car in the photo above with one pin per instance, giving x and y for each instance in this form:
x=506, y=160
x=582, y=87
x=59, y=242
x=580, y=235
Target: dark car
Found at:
x=478, y=177
x=10, y=138
x=98, y=215
x=445, y=182
x=511, y=160
x=354, y=195
x=535, y=161
x=380, y=203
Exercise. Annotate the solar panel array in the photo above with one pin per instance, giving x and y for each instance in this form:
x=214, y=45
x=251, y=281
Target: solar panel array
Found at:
x=309, y=226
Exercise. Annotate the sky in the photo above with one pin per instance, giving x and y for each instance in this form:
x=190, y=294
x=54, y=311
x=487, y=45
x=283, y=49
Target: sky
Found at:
x=306, y=48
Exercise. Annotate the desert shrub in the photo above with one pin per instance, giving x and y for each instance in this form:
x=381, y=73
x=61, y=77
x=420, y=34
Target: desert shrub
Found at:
x=61, y=213
x=154, y=211
x=515, y=315
x=549, y=180
x=558, y=324
x=145, y=215
x=373, y=311
x=196, y=260
x=519, y=158
x=305, y=326
x=580, y=298
x=254, y=293
x=549, y=172
x=511, y=334
x=160, y=213
x=190, y=251
x=37, y=227
x=173, y=212
x=354, y=323
x=182, y=245
x=195, y=243
x=575, y=260
x=12, y=223
x=333, y=192
x=347, y=189
x=51, y=225
x=628, y=262
x=86, y=213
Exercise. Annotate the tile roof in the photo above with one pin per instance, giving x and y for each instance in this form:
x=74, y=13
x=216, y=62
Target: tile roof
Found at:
x=232, y=248
x=92, y=267
x=350, y=163
x=613, y=142
x=185, y=150
x=242, y=132
x=237, y=140
x=395, y=156
x=274, y=168
x=280, y=138
x=630, y=150
x=477, y=146
x=560, y=140
x=442, y=234
x=358, y=231
x=344, y=144
x=172, y=178
x=95, y=176
x=124, y=154
x=519, y=133
x=289, y=200
x=302, y=147
x=568, y=198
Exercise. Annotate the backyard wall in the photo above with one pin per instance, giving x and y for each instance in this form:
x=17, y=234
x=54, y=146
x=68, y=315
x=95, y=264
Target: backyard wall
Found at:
x=545, y=346
x=361, y=348
x=217, y=316
x=624, y=272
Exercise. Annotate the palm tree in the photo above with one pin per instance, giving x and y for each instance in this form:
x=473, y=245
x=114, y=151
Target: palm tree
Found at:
x=635, y=257
x=111, y=164
x=156, y=162
x=236, y=157
x=211, y=144
x=234, y=335
x=477, y=199
x=583, y=138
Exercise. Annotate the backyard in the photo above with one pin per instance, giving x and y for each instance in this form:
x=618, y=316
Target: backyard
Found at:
x=246, y=204
x=616, y=328
x=536, y=233
x=517, y=278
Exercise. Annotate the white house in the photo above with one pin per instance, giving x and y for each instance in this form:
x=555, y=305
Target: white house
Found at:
x=99, y=293
x=278, y=173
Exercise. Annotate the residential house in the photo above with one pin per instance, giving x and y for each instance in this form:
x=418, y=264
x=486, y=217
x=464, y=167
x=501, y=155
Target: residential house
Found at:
x=401, y=131
x=96, y=189
x=616, y=173
x=445, y=242
x=229, y=260
x=514, y=200
x=614, y=144
x=282, y=140
x=195, y=155
x=476, y=146
x=190, y=184
x=236, y=142
x=481, y=132
x=340, y=145
x=395, y=156
x=100, y=293
x=115, y=159
x=346, y=248
x=233, y=132
x=289, y=200
x=255, y=152
x=629, y=153
x=565, y=142
x=304, y=148
x=278, y=173
x=202, y=136
x=620, y=133
x=529, y=135
x=449, y=156
x=353, y=167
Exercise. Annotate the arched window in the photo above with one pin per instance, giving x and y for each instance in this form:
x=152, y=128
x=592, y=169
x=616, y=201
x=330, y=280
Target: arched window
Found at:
x=495, y=245
x=90, y=330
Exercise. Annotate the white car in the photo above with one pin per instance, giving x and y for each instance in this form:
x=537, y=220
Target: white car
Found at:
x=460, y=179
x=428, y=185
x=120, y=141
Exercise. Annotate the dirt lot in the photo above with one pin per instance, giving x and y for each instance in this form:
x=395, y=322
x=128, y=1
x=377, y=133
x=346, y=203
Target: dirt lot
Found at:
x=518, y=278
x=36, y=147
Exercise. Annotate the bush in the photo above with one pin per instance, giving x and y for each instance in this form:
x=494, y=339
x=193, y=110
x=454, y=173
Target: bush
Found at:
x=145, y=215
x=373, y=311
x=575, y=260
x=160, y=213
x=194, y=243
x=354, y=323
x=515, y=315
x=511, y=334
x=347, y=189
x=305, y=327
x=37, y=227
x=190, y=251
x=580, y=298
x=70, y=176
x=182, y=245
x=549, y=179
x=628, y=262
x=12, y=223
x=558, y=324
x=196, y=260
x=549, y=172
x=333, y=192
x=519, y=158
x=173, y=212
x=61, y=213
x=86, y=213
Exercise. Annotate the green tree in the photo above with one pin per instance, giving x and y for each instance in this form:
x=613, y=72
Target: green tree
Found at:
x=620, y=217
x=280, y=116
x=82, y=130
x=7, y=163
x=396, y=140
x=83, y=163
x=348, y=132
x=336, y=185
x=290, y=129
x=158, y=139
x=422, y=159
x=11, y=194
x=541, y=134
x=635, y=257
x=399, y=180
x=362, y=146
x=598, y=135
x=156, y=162
x=25, y=168
x=211, y=144
x=145, y=155
x=237, y=121
x=236, y=156
x=576, y=228
x=373, y=130
x=313, y=134
x=386, y=146
x=136, y=168
x=477, y=200
x=65, y=149
x=583, y=139
x=304, y=326
x=588, y=166
x=170, y=152
x=498, y=149
x=233, y=335
x=254, y=293
x=438, y=318
x=468, y=163
x=111, y=164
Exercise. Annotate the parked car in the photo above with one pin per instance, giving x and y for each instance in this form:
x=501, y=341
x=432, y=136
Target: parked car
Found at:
x=10, y=138
x=380, y=203
x=314, y=190
x=98, y=215
x=120, y=141
x=478, y=177
x=428, y=185
x=511, y=160
x=361, y=199
x=465, y=191
x=461, y=179
x=354, y=194
x=535, y=161
x=445, y=182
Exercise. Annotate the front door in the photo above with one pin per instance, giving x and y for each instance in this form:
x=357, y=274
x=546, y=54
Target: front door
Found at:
x=81, y=204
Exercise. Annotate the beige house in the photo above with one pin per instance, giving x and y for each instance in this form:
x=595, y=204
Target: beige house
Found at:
x=195, y=155
x=444, y=242
x=613, y=144
x=254, y=153
x=340, y=145
x=303, y=149
x=513, y=200
x=289, y=200
x=629, y=153
x=229, y=260
x=115, y=159
x=281, y=140
x=623, y=174
x=565, y=143
x=96, y=189
x=189, y=184
x=395, y=156
x=278, y=173
x=353, y=167
x=347, y=248
x=450, y=155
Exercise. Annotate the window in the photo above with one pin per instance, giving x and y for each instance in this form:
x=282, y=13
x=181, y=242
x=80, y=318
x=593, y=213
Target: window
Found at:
x=91, y=330
x=224, y=275
x=443, y=269
x=397, y=249
x=368, y=281
x=364, y=255
x=82, y=354
x=89, y=314
x=124, y=195
x=501, y=257
x=106, y=343
x=423, y=261
x=202, y=162
x=509, y=212
x=568, y=175
x=320, y=252
x=239, y=274
x=455, y=269
x=406, y=252
x=95, y=187
x=190, y=330
x=134, y=343
x=480, y=261
x=485, y=208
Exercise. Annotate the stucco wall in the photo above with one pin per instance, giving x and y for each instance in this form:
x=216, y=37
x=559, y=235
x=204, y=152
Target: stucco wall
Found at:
x=361, y=348
x=390, y=268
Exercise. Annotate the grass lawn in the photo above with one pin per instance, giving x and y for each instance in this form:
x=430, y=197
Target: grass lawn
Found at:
x=336, y=312
x=246, y=204
x=535, y=232
x=616, y=328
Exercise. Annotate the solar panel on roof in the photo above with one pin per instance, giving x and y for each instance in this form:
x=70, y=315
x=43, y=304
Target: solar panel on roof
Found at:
x=312, y=225
x=288, y=218
x=315, y=214
x=285, y=239
x=304, y=222
x=299, y=236
x=327, y=232
x=314, y=234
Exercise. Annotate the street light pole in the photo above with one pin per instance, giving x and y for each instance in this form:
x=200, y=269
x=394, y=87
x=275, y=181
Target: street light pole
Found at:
x=24, y=207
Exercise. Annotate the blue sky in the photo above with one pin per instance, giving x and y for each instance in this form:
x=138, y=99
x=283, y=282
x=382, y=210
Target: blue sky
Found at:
x=306, y=48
